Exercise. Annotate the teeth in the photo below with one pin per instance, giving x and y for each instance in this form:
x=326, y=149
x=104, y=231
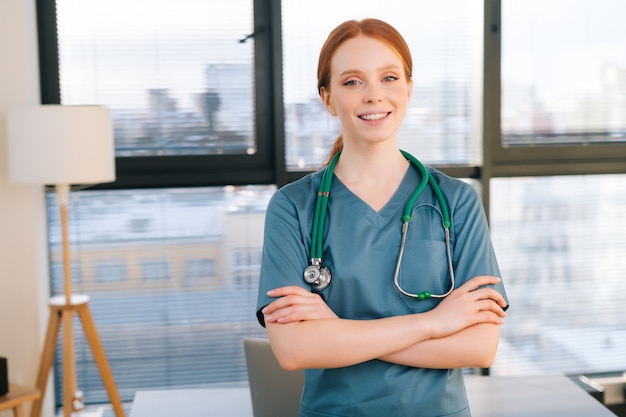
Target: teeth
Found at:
x=373, y=116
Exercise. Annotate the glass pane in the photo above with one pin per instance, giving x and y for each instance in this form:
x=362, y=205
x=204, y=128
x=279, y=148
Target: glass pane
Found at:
x=172, y=276
x=175, y=75
x=561, y=242
x=437, y=128
x=563, y=71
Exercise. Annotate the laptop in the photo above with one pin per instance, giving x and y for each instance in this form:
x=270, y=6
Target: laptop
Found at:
x=274, y=391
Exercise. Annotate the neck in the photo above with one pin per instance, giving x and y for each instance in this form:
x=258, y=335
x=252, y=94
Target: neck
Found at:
x=373, y=166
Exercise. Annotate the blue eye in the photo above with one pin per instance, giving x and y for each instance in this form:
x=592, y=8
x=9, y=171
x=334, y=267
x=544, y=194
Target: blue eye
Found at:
x=390, y=78
x=351, y=82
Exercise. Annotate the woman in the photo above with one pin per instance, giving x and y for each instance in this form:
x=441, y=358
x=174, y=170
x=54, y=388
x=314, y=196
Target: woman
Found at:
x=369, y=347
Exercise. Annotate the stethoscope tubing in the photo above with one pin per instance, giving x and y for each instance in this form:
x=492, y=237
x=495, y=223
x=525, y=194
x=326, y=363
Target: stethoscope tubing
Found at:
x=320, y=277
x=424, y=295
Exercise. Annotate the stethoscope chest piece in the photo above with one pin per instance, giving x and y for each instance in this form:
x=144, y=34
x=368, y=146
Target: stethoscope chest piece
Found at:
x=318, y=276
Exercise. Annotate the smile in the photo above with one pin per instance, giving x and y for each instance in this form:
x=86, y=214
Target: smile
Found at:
x=374, y=116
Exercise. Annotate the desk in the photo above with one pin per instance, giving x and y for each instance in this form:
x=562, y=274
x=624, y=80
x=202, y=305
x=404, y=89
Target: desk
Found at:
x=531, y=396
x=205, y=402
x=494, y=396
x=16, y=397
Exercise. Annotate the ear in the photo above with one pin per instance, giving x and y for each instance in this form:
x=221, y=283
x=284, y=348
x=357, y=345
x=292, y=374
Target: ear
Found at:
x=409, y=86
x=325, y=95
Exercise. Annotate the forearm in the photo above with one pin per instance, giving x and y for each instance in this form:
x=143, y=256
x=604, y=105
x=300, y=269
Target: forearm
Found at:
x=332, y=343
x=473, y=346
x=305, y=333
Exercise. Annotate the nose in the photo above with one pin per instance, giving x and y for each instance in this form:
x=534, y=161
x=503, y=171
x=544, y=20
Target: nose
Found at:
x=372, y=94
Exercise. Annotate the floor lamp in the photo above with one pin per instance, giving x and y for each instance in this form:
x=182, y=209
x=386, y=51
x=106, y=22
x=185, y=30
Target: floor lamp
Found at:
x=64, y=145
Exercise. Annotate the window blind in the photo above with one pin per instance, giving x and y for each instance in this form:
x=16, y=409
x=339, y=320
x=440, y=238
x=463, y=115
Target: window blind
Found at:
x=175, y=74
x=172, y=299
x=560, y=242
x=563, y=79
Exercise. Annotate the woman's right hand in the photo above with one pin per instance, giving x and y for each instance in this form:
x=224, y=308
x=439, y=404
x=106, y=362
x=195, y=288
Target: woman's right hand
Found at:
x=468, y=305
x=294, y=304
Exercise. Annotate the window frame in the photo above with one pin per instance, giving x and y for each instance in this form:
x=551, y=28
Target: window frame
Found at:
x=521, y=161
x=268, y=165
x=195, y=170
x=525, y=160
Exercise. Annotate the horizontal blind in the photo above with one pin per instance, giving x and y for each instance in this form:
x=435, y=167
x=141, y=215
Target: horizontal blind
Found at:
x=561, y=242
x=175, y=74
x=439, y=123
x=172, y=276
x=563, y=72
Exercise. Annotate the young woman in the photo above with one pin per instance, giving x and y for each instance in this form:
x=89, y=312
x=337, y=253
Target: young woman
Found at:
x=360, y=287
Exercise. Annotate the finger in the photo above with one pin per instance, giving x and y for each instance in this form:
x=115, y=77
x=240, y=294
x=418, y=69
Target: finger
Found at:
x=292, y=299
x=491, y=294
x=282, y=302
x=299, y=312
x=273, y=306
x=490, y=305
x=478, y=281
x=290, y=315
x=287, y=290
x=490, y=317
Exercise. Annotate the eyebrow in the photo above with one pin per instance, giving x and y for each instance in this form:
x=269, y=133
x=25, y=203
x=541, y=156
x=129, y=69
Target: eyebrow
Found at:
x=382, y=69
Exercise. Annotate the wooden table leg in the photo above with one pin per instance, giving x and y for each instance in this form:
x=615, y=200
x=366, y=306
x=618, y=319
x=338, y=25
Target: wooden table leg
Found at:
x=18, y=410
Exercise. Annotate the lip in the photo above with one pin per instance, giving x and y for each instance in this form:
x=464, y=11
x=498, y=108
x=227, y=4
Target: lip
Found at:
x=374, y=116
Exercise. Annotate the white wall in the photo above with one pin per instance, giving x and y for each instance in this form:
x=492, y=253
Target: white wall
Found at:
x=23, y=258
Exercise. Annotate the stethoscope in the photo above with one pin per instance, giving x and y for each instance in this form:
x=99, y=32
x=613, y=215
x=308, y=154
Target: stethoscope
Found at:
x=319, y=276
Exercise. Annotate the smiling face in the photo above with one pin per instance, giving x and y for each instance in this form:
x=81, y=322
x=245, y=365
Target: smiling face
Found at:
x=368, y=90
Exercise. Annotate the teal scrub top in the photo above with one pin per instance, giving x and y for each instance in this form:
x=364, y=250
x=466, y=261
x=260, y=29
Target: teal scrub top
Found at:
x=360, y=248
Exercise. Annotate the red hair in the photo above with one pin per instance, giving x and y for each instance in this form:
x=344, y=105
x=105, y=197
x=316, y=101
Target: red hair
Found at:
x=373, y=28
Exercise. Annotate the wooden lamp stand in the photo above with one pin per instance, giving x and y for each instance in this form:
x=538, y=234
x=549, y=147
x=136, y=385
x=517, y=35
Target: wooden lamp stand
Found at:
x=62, y=311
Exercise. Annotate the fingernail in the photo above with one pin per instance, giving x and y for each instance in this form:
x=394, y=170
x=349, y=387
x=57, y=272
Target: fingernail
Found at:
x=270, y=292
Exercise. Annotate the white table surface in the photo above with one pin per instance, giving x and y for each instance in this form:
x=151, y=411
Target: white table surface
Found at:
x=494, y=396
x=531, y=396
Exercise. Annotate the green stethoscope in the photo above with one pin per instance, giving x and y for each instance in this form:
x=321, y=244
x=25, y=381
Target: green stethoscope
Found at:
x=319, y=276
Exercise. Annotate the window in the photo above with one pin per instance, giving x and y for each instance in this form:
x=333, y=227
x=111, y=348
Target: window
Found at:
x=560, y=243
x=110, y=271
x=155, y=268
x=176, y=319
x=560, y=85
x=166, y=97
x=551, y=181
x=187, y=85
x=200, y=268
x=563, y=80
x=247, y=266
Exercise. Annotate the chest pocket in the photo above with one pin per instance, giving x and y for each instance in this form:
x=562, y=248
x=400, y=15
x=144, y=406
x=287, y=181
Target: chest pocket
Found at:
x=424, y=265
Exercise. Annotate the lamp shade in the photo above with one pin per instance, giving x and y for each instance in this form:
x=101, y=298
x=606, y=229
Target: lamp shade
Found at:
x=58, y=144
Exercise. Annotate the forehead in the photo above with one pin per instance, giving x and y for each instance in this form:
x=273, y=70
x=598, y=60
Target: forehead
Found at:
x=364, y=53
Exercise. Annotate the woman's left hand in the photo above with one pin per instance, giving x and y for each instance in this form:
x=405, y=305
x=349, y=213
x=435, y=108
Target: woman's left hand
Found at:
x=295, y=304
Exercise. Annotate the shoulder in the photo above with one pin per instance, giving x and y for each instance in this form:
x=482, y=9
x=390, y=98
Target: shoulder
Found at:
x=298, y=194
x=454, y=189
